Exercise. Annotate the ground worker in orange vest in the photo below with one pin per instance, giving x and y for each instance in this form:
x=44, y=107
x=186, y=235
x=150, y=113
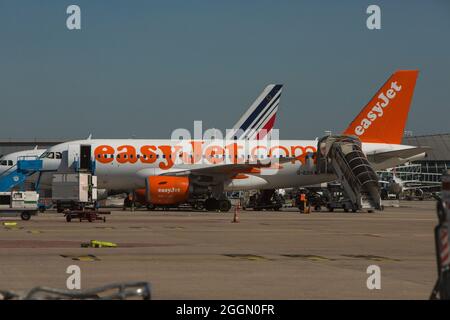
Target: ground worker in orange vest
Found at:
x=302, y=202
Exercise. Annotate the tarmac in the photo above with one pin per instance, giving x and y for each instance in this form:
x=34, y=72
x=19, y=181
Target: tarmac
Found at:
x=200, y=255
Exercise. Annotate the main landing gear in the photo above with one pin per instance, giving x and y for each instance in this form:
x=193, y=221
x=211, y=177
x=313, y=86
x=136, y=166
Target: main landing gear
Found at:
x=213, y=204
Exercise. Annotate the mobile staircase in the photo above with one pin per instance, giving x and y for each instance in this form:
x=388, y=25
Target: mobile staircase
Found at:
x=343, y=156
x=17, y=174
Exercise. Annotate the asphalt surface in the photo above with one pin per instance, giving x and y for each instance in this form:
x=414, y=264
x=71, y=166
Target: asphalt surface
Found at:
x=267, y=255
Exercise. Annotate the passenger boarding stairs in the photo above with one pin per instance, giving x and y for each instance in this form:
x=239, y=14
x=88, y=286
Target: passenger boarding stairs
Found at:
x=17, y=174
x=343, y=156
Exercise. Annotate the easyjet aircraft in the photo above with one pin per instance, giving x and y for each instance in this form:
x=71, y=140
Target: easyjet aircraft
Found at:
x=168, y=172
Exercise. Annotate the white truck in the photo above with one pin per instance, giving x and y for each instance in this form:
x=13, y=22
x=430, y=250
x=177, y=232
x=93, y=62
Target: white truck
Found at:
x=23, y=203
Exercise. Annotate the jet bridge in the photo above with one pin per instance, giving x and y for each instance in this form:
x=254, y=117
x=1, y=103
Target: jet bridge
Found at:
x=343, y=156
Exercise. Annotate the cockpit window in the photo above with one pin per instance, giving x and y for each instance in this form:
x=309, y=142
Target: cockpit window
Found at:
x=49, y=155
x=58, y=155
x=44, y=155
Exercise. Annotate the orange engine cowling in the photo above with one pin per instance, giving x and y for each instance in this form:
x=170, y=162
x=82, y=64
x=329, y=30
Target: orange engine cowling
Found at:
x=165, y=190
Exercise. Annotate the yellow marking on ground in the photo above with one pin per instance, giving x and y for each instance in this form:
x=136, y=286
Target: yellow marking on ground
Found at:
x=13, y=228
x=99, y=244
x=84, y=258
x=309, y=257
x=370, y=257
x=250, y=257
x=35, y=231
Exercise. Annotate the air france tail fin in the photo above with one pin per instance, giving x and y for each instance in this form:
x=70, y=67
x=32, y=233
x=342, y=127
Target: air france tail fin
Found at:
x=383, y=119
x=259, y=119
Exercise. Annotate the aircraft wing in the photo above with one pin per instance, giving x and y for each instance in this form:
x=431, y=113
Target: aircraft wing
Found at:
x=399, y=154
x=430, y=186
x=232, y=168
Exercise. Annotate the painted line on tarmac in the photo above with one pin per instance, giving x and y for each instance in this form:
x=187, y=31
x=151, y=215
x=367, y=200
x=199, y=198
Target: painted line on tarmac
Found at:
x=105, y=228
x=309, y=257
x=175, y=227
x=251, y=257
x=84, y=258
x=35, y=231
x=371, y=257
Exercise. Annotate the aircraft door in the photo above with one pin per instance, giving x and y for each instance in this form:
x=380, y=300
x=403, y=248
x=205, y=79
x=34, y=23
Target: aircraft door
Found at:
x=85, y=157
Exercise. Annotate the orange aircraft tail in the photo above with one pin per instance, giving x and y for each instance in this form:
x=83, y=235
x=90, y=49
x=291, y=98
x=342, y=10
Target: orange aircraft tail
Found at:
x=383, y=119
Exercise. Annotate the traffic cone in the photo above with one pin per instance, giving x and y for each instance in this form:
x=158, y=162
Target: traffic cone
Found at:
x=236, y=214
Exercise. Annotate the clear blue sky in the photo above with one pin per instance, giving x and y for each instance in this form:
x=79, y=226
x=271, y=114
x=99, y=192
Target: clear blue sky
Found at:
x=144, y=68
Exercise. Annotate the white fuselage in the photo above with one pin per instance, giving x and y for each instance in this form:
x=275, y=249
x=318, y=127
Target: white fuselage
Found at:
x=124, y=164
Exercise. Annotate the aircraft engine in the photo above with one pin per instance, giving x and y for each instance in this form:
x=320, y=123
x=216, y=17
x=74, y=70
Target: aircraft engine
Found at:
x=165, y=190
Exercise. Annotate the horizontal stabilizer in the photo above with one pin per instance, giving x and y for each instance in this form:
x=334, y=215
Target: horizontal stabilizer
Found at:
x=400, y=154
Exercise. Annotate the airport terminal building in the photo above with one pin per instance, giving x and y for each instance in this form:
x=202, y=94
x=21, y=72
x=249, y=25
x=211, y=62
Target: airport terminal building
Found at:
x=438, y=158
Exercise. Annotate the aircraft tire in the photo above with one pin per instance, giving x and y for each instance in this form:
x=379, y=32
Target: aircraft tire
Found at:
x=199, y=205
x=25, y=216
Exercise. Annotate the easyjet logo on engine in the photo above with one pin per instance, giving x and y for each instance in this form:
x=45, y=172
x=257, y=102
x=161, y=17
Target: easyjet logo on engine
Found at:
x=377, y=111
x=169, y=190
